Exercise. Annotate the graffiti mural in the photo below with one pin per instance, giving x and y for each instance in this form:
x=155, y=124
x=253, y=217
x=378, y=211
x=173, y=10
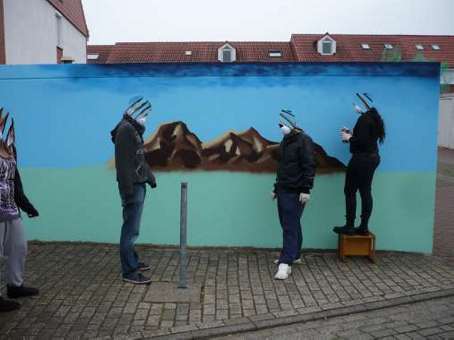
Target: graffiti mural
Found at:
x=215, y=126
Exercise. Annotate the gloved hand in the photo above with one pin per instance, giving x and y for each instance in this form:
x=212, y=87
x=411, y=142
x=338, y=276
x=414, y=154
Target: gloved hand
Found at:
x=33, y=213
x=304, y=198
x=345, y=135
x=152, y=183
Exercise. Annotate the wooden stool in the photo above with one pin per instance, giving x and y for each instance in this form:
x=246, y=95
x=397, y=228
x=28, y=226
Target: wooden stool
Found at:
x=357, y=245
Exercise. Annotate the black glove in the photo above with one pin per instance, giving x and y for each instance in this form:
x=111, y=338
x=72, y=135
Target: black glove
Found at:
x=152, y=183
x=32, y=213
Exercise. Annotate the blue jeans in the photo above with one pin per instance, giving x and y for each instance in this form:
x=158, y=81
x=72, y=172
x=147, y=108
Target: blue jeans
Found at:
x=290, y=211
x=132, y=214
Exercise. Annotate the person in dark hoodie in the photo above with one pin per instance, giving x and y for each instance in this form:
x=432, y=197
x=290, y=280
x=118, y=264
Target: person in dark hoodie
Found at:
x=133, y=173
x=13, y=243
x=369, y=130
x=294, y=181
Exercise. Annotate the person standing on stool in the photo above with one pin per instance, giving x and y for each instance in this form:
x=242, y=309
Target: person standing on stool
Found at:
x=368, y=131
x=133, y=173
x=13, y=243
x=294, y=181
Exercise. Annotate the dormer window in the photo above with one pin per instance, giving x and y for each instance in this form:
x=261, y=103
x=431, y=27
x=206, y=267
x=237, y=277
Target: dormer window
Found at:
x=419, y=47
x=326, y=45
x=365, y=46
x=275, y=54
x=227, y=53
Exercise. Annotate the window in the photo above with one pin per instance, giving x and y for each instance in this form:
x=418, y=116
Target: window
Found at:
x=388, y=46
x=59, y=28
x=435, y=47
x=275, y=54
x=327, y=47
x=226, y=55
x=92, y=56
x=188, y=53
x=419, y=47
x=365, y=46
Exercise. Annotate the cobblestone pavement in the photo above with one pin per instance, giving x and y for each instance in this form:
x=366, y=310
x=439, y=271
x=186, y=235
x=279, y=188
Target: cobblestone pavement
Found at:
x=425, y=320
x=444, y=212
x=83, y=296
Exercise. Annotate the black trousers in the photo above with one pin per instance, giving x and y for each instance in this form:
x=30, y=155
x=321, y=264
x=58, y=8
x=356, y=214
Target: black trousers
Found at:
x=359, y=176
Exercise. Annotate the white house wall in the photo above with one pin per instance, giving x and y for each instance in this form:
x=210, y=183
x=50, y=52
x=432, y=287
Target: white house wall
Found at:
x=446, y=122
x=31, y=34
x=448, y=77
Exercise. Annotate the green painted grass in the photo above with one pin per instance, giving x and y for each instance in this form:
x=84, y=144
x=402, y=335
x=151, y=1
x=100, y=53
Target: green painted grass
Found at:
x=225, y=209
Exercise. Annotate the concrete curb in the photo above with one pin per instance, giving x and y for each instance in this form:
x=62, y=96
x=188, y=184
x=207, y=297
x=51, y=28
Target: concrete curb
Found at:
x=260, y=322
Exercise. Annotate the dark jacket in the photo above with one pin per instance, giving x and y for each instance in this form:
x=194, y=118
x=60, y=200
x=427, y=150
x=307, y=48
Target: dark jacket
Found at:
x=296, y=168
x=129, y=156
x=365, y=135
x=21, y=200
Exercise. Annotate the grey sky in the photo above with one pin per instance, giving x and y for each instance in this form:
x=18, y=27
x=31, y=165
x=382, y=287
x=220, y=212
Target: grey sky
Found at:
x=113, y=21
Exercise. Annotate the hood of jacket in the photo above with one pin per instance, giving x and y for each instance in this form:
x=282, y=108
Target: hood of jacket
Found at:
x=127, y=119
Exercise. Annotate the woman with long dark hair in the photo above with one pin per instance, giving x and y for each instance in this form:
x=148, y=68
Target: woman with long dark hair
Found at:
x=368, y=132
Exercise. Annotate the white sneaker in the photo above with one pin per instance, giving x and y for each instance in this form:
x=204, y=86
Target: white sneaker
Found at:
x=297, y=261
x=283, y=271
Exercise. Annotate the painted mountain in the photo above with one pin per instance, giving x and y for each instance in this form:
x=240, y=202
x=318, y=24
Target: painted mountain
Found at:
x=174, y=147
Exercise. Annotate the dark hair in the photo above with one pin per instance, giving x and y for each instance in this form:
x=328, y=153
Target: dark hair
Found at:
x=379, y=123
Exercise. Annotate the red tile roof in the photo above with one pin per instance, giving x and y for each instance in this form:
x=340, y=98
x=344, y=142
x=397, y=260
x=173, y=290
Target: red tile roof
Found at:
x=349, y=47
x=301, y=48
x=73, y=11
x=102, y=51
x=162, y=52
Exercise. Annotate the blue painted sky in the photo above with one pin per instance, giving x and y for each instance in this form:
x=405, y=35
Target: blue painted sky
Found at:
x=64, y=113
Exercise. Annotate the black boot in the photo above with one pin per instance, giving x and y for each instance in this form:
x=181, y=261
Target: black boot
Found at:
x=346, y=229
x=8, y=305
x=15, y=292
x=362, y=230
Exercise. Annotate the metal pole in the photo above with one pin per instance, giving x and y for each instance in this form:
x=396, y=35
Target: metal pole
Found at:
x=183, y=236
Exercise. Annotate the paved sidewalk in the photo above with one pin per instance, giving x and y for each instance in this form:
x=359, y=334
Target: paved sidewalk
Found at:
x=444, y=211
x=422, y=320
x=83, y=296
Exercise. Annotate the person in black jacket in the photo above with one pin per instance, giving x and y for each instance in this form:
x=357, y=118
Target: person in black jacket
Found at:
x=368, y=131
x=13, y=243
x=294, y=181
x=133, y=173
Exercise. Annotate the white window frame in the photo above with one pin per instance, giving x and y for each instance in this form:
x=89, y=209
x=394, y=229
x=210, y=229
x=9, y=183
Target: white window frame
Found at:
x=275, y=54
x=365, y=46
x=419, y=47
x=188, y=53
x=59, y=29
x=436, y=47
x=326, y=38
x=93, y=56
x=389, y=46
x=227, y=47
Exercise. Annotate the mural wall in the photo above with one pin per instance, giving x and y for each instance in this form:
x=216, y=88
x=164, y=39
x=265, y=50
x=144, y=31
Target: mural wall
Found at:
x=216, y=127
